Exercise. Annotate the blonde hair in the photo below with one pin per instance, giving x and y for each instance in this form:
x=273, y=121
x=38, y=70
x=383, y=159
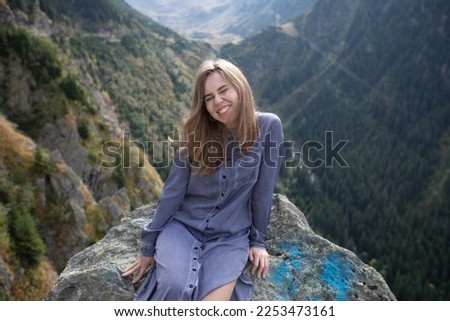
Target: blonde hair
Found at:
x=205, y=138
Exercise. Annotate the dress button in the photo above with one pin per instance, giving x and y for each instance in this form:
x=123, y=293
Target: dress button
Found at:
x=224, y=176
x=223, y=194
x=191, y=286
x=217, y=207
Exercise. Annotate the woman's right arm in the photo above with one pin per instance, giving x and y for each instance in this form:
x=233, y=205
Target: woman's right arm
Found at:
x=170, y=200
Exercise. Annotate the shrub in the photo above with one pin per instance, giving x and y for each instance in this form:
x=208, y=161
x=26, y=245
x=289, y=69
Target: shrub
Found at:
x=41, y=164
x=28, y=245
x=72, y=90
x=83, y=129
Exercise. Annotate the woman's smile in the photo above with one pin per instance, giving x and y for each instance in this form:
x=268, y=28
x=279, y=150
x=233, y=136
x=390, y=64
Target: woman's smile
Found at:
x=221, y=98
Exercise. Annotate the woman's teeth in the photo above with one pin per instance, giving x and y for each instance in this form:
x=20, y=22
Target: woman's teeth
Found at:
x=223, y=110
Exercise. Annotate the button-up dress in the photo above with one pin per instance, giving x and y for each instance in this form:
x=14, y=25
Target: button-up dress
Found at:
x=204, y=225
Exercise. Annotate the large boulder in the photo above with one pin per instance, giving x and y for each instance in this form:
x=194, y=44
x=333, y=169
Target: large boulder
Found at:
x=304, y=266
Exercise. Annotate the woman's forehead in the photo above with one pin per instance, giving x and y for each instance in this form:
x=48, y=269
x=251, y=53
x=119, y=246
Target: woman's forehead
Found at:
x=214, y=81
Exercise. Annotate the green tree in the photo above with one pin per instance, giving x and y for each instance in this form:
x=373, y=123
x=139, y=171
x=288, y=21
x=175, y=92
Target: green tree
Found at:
x=28, y=245
x=72, y=90
x=41, y=163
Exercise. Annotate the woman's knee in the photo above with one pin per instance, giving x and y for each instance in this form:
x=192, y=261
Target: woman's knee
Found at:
x=222, y=293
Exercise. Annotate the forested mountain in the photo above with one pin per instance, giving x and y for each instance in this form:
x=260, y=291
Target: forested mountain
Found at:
x=84, y=85
x=367, y=81
x=220, y=21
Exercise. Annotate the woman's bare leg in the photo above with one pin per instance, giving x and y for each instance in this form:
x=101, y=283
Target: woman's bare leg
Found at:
x=221, y=294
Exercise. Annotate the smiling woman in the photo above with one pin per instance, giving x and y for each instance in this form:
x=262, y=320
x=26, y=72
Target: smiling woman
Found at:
x=222, y=102
x=216, y=202
x=223, y=109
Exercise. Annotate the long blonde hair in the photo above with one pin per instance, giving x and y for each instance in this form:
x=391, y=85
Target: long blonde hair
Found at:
x=205, y=138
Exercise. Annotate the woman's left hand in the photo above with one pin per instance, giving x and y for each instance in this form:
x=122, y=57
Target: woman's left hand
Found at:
x=260, y=260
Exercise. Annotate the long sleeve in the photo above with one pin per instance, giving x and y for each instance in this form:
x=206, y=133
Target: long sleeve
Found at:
x=170, y=200
x=261, y=201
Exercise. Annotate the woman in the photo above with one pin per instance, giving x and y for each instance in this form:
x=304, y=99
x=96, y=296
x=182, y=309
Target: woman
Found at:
x=214, y=209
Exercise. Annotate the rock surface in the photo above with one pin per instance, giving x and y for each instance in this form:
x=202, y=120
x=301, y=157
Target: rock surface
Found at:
x=304, y=266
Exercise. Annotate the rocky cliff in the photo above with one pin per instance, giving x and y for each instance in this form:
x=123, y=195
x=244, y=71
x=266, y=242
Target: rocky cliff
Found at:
x=304, y=266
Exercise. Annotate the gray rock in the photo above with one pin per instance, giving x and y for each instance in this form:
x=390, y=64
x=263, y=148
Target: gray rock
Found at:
x=6, y=279
x=304, y=266
x=62, y=135
x=66, y=183
x=118, y=206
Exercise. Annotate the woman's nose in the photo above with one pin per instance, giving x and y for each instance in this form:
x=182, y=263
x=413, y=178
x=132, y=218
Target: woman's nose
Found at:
x=218, y=99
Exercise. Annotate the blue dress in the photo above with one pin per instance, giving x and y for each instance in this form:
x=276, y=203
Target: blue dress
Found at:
x=204, y=225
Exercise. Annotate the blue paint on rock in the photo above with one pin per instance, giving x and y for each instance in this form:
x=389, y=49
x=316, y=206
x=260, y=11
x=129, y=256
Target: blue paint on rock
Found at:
x=282, y=278
x=336, y=274
x=297, y=264
x=292, y=249
x=283, y=273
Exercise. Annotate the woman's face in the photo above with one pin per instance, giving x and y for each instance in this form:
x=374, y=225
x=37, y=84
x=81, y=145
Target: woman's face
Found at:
x=221, y=98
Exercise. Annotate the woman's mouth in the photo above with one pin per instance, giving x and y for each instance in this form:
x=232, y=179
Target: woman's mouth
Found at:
x=223, y=109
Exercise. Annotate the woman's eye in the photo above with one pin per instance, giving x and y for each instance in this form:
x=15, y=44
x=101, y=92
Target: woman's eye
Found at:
x=209, y=98
x=223, y=91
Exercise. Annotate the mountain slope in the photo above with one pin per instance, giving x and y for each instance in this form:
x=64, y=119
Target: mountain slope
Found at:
x=375, y=76
x=95, y=88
